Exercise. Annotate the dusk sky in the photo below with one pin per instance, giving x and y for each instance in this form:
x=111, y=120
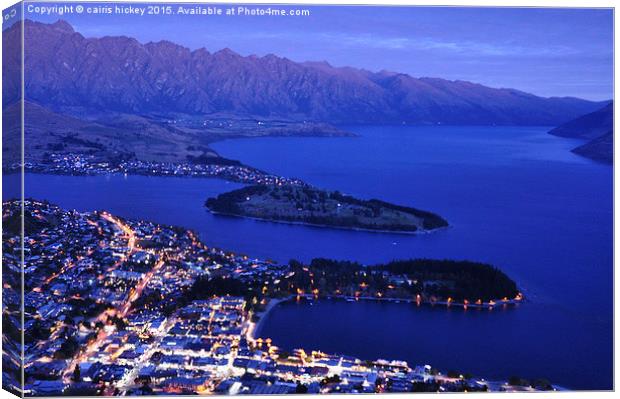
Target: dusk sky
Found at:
x=548, y=52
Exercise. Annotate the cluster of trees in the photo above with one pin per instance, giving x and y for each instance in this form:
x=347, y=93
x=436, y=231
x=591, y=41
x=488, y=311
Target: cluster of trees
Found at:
x=467, y=280
x=205, y=288
x=539, y=383
x=431, y=220
x=229, y=202
x=67, y=349
x=441, y=279
x=12, y=224
x=208, y=159
x=458, y=280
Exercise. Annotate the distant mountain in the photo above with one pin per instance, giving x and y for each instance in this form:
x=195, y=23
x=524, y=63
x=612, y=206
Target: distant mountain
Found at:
x=588, y=126
x=598, y=127
x=69, y=73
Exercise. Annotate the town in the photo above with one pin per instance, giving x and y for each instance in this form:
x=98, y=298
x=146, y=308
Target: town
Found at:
x=83, y=164
x=126, y=307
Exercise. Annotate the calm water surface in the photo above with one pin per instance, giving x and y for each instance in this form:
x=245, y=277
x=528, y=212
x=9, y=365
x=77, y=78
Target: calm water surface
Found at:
x=515, y=197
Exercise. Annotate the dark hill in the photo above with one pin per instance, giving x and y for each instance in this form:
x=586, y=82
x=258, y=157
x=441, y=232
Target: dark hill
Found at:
x=598, y=127
x=600, y=149
x=589, y=126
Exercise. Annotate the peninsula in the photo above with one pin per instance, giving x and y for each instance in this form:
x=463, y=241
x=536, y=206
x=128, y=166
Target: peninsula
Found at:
x=304, y=204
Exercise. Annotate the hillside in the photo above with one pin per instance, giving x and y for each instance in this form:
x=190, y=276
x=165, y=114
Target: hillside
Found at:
x=598, y=128
x=126, y=138
x=600, y=149
x=588, y=126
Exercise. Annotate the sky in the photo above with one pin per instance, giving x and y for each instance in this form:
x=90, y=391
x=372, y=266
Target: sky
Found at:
x=545, y=51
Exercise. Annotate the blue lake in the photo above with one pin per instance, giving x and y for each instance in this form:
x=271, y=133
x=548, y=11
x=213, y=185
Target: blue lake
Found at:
x=514, y=196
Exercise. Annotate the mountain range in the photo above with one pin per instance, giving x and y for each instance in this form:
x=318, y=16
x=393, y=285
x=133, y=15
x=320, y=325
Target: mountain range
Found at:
x=89, y=77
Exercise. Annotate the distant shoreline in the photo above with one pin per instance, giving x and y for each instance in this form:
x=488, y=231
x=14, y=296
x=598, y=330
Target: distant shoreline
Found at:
x=329, y=226
x=254, y=332
x=116, y=173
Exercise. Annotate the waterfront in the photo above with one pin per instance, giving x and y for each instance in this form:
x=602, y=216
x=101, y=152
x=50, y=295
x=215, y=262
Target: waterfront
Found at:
x=515, y=197
x=155, y=323
x=467, y=341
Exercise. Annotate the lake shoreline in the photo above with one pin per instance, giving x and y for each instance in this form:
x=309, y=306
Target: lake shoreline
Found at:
x=254, y=331
x=255, y=327
x=326, y=226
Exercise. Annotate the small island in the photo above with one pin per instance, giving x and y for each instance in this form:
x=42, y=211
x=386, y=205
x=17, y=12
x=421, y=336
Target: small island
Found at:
x=304, y=204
